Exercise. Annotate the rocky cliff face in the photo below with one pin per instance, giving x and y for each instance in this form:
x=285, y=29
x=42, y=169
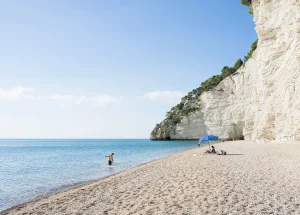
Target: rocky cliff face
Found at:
x=261, y=101
x=274, y=109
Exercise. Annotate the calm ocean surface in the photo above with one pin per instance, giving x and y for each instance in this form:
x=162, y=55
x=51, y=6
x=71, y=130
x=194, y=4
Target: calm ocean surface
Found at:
x=29, y=168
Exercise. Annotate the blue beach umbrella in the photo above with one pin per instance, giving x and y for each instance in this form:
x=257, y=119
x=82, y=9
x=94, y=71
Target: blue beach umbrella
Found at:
x=208, y=138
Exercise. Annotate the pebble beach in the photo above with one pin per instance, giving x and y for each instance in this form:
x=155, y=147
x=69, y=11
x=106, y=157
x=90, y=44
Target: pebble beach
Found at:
x=253, y=178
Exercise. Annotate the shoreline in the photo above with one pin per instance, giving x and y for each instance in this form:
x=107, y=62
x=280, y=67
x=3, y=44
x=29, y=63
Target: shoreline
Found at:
x=65, y=188
x=252, y=179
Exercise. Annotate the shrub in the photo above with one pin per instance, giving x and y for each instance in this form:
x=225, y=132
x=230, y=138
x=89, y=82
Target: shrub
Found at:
x=246, y=2
x=228, y=71
x=238, y=64
x=250, y=11
x=249, y=4
x=253, y=48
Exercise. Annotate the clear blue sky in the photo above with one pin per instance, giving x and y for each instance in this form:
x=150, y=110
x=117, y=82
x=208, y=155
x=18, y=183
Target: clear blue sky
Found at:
x=105, y=69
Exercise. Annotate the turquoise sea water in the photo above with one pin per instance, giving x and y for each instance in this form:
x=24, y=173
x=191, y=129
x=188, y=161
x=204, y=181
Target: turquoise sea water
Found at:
x=29, y=168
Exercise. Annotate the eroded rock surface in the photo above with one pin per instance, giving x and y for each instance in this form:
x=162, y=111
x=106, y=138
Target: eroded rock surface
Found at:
x=261, y=101
x=274, y=110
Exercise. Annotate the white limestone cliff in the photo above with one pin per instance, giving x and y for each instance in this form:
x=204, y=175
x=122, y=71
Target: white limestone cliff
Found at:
x=261, y=101
x=222, y=109
x=274, y=109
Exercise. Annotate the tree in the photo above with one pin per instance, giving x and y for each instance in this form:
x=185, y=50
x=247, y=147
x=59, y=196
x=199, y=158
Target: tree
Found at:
x=190, y=96
x=177, y=119
x=180, y=106
x=253, y=48
x=183, y=99
x=195, y=92
x=238, y=64
x=250, y=11
x=249, y=4
x=226, y=71
x=246, y=2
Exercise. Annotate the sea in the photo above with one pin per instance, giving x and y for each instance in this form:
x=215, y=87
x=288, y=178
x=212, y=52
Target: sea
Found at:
x=33, y=167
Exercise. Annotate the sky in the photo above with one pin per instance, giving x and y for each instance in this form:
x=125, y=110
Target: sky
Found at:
x=110, y=69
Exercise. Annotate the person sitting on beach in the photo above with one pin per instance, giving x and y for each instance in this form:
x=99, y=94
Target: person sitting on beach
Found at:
x=110, y=158
x=212, y=151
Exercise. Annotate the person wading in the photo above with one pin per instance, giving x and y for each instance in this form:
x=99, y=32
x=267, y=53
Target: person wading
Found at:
x=110, y=158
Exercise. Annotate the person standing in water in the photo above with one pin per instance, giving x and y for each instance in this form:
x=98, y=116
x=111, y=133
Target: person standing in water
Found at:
x=110, y=158
x=199, y=144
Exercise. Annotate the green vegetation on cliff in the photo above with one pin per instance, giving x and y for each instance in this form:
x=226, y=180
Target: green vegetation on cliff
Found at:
x=249, y=4
x=246, y=2
x=189, y=103
x=253, y=47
